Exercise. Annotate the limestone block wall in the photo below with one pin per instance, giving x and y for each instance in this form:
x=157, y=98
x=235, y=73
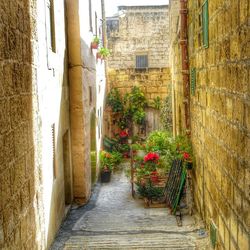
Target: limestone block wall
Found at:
x=18, y=220
x=34, y=125
x=220, y=114
x=139, y=30
x=87, y=79
x=142, y=30
x=153, y=82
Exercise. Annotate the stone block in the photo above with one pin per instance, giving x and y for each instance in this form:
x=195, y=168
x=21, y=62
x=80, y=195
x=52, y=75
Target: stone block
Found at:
x=17, y=175
x=7, y=148
x=4, y=115
x=243, y=239
x=8, y=221
x=25, y=198
x=21, y=140
x=16, y=110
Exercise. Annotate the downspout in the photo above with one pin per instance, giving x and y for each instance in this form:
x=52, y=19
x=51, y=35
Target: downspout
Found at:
x=185, y=63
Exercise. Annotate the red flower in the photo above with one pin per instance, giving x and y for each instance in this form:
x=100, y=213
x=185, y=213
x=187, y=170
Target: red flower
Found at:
x=123, y=134
x=151, y=157
x=186, y=156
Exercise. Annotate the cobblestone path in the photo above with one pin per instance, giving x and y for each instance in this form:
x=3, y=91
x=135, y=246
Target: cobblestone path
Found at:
x=114, y=220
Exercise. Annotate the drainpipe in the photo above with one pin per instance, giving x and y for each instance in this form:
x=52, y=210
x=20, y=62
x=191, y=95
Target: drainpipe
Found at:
x=185, y=63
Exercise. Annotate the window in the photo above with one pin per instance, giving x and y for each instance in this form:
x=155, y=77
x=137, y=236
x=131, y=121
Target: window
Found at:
x=51, y=38
x=90, y=17
x=141, y=61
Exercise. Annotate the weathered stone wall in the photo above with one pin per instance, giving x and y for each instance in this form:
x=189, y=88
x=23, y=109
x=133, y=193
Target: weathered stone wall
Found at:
x=17, y=192
x=87, y=78
x=220, y=111
x=141, y=30
x=34, y=101
x=153, y=82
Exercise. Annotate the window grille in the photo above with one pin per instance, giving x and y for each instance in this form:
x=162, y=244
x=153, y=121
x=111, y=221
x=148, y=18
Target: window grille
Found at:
x=141, y=61
x=205, y=24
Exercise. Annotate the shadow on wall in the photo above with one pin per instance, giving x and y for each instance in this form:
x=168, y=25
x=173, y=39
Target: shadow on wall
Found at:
x=62, y=186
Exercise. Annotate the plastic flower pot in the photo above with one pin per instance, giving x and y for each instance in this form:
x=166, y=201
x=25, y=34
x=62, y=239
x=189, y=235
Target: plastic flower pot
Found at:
x=105, y=176
x=189, y=165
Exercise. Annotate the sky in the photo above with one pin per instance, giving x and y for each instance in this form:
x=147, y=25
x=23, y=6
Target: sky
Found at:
x=111, y=5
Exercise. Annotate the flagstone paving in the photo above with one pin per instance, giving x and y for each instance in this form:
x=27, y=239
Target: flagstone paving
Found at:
x=114, y=220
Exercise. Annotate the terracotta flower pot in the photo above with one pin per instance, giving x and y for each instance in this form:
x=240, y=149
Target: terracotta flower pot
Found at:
x=94, y=45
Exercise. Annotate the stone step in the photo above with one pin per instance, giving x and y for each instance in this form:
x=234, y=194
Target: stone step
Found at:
x=134, y=241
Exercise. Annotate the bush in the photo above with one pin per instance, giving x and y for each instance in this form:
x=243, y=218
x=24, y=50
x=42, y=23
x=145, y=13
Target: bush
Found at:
x=149, y=191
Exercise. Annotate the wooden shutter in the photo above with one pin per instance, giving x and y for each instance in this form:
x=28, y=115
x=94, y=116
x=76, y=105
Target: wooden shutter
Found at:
x=205, y=24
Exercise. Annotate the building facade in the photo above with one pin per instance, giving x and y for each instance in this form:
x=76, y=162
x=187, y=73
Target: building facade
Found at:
x=39, y=94
x=218, y=51
x=87, y=79
x=138, y=39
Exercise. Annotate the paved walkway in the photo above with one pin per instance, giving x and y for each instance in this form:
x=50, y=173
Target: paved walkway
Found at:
x=113, y=220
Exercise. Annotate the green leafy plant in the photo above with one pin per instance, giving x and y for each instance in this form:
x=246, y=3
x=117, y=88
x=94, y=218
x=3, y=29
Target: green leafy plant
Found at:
x=156, y=103
x=95, y=42
x=163, y=143
x=96, y=39
x=150, y=191
x=135, y=103
x=116, y=157
x=109, y=160
x=106, y=161
x=166, y=114
x=114, y=100
x=104, y=52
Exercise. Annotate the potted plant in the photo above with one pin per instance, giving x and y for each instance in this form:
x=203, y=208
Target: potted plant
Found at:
x=102, y=53
x=95, y=43
x=187, y=160
x=106, y=165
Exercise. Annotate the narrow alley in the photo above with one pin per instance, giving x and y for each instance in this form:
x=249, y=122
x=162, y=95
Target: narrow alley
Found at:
x=114, y=220
x=124, y=124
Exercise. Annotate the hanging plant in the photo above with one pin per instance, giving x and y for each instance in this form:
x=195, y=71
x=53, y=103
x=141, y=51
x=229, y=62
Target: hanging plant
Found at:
x=95, y=43
x=103, y=53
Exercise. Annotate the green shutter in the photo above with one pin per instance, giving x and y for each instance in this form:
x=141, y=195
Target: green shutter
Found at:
x=193, y=80
x=213, y=234
x=205, y=25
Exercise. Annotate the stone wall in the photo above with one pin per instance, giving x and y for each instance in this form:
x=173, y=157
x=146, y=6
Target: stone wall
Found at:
x=140, y=30
x=220, y=111
x=87, y=79
x=34, y=125
x=17, y=192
